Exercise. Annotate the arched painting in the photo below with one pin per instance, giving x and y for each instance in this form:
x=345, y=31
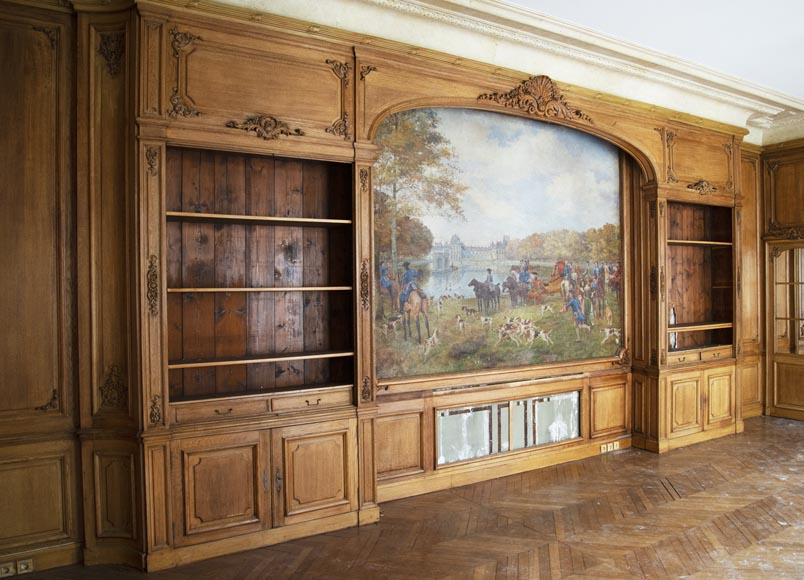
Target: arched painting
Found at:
x=497, y=243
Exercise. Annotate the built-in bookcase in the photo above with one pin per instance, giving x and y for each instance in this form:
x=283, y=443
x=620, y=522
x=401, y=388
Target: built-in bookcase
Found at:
x=259, y=274
x=700, y=292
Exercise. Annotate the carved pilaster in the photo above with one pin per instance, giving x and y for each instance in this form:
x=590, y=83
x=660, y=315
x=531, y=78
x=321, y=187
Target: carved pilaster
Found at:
x=537, y=96
x=653, y=282
x=730, y=153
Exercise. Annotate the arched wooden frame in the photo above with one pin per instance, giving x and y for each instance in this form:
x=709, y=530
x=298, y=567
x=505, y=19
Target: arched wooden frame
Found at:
x=647, y=177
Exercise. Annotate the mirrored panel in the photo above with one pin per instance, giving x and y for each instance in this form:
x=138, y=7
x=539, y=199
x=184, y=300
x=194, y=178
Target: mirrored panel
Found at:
x=788, y=300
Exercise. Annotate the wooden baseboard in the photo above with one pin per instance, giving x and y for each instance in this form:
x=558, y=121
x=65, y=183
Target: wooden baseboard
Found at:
x=368, y=515
x=180, y=556
x=491, y=468
x=669, y=444
x=114, y=552
x=48, y=557
x=752, y=411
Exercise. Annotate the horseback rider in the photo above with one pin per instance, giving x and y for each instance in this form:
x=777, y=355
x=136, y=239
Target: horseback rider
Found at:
x=408, y=284
x=489, y=280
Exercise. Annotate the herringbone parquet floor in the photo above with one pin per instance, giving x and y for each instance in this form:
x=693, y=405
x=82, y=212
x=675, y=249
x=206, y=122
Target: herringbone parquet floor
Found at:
x=726, y=509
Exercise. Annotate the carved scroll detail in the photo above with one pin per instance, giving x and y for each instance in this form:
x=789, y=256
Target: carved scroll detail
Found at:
x=53, y=403
x=152, y=284
x=342, y=70
x=364, y=179
x=266, y=127
x=365, y=70
x=113, y=390
x=537, y=96
x=662, y=285
x=364, y=285
x=112, y=48
x=340, y=127
x=155, y=414
x=662, y=206
x=703, y=187
x=776, y=230
x=776, y=252
x=729, y=153
x=623, y=357
x=51, y=33
x=152, y=160
x=366, y=390
x=179, y=107
x=181, y=40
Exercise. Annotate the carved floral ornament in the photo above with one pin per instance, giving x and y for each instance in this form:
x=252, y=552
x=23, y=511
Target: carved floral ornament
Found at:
x=113, y=391
x=266, y=127
x=776, y=230
x=703, y=187
x=537, y=96
x=366, y=390
x=113, y=48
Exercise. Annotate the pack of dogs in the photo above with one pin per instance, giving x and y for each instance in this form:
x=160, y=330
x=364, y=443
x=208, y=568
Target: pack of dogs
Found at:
x=522, y=332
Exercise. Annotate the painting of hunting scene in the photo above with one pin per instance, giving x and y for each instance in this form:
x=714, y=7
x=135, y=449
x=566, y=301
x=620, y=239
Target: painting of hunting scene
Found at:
x=497, y=243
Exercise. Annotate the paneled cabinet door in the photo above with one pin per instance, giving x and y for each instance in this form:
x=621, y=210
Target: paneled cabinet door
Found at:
x=314, y=471
x=685, y=404
x=719, y=385
x=221, y=486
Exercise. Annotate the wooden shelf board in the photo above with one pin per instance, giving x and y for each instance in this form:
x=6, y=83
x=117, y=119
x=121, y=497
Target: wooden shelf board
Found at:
x=274, y=289
x=266, y=393
x=249, y=219
x=698, y=243
x=696, y=327
x=257, y=359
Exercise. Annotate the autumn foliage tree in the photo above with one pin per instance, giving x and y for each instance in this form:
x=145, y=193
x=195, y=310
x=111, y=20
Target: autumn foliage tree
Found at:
x=416, y=173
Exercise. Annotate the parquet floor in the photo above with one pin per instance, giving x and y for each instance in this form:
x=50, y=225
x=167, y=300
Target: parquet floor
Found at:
x=726, y=509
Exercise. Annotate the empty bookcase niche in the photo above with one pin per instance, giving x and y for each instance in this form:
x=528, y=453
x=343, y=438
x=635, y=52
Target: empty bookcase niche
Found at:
x=471, y=432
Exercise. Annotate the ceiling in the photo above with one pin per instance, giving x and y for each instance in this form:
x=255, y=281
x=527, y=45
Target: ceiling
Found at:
x=758, y=42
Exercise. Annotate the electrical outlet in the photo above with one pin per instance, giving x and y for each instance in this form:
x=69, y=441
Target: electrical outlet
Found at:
x=7, y=569
x=603, y=448
x=25, y=566
x=609, y=446
x=616, y=445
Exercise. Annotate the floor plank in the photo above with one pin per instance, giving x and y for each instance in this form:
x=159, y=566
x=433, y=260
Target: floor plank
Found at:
x=726, y=509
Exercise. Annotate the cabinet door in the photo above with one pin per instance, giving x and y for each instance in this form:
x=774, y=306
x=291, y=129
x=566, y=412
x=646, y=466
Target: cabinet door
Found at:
x=221, y=486
x=314, y=471
x=685, y=404
x=719, y=398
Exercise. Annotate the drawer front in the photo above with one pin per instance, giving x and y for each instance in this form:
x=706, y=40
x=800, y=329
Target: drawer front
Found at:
x=312, y=400
x=716, y=354
x=218, y=410
x=683, y=358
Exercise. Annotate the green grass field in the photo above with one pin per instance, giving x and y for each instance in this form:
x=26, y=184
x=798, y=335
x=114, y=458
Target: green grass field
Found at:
x=478, y=346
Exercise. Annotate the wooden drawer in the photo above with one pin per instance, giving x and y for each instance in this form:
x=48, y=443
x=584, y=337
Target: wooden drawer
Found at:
x=716, y=353
x=219, y=409
x=686, y=357
x=312, y=399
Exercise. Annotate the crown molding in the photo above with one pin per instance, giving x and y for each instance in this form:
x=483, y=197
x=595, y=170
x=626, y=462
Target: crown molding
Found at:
x=501, y=34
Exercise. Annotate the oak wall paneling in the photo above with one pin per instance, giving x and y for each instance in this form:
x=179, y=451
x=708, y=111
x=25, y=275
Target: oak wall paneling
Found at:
x=39, y=454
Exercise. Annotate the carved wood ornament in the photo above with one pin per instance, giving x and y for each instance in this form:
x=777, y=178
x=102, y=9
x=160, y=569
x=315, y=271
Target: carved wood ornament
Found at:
x=51, y=33
x=155, y=414
x=152, y=160
x=364, y=178
x=342, y=70
x=668, y=139
x=152, y=284
x=366, y=390
x=181, y=40
x=113, y=390
x=703, y=187
x=179, y=107
x=53, y=403
x=537, y=96
x=364, y=285
x=365, y=70
x=266, y=127
x=112, y=48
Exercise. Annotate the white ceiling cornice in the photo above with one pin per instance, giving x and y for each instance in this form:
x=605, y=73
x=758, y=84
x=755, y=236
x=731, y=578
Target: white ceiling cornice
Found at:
x=506, y=35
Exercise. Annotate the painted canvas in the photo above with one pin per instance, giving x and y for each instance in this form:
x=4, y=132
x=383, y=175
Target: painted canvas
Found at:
x=497, y=243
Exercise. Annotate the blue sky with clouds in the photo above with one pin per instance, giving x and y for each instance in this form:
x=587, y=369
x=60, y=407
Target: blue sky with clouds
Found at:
x=526, y=176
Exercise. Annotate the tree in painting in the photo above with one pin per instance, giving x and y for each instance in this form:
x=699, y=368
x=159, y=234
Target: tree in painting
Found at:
x=415, y=174
x=510, y=229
